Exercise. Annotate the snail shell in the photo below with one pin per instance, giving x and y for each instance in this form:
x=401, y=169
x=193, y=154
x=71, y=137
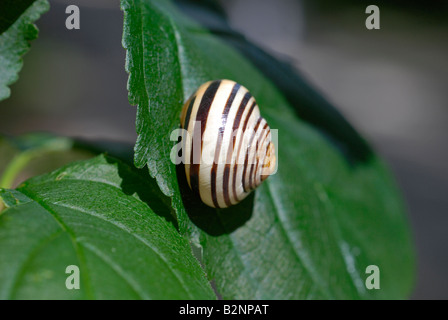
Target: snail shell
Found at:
x=229, y=151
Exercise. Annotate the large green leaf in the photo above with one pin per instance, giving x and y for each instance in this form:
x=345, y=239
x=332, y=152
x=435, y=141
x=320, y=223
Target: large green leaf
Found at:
x=311, y=230
x=14, y=42
x=91, y=214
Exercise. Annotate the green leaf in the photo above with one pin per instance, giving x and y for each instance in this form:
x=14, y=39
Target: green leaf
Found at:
x=311, y=230
x=91, y=214
x=15, y=41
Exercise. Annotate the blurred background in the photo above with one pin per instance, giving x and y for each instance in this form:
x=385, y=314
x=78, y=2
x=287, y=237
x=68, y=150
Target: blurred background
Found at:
x=391, y=84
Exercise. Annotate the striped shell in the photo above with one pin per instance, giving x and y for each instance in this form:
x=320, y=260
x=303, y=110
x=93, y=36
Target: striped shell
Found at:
x=229, y=151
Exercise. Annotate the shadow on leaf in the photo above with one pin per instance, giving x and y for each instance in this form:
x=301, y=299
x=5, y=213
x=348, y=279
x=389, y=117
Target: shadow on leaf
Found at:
x=213, y=221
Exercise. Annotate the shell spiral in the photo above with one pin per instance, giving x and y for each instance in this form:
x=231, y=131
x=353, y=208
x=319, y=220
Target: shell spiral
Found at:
x=228, y=150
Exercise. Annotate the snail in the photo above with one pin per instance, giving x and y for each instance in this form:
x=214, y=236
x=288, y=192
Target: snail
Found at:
x=229, y=151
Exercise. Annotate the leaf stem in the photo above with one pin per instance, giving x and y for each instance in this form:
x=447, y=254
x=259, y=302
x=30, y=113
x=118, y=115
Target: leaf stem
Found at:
x=12, y=170
x=15, y=167
x=20, y=161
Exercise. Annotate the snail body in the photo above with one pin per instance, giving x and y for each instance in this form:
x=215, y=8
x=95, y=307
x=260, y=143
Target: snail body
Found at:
x=229, y=151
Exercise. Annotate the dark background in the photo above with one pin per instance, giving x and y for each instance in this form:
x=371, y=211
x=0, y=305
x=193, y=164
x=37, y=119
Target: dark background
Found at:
x=391, y=84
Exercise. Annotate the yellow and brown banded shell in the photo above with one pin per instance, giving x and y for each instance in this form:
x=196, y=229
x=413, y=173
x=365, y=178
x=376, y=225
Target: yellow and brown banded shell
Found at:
x=229, y=151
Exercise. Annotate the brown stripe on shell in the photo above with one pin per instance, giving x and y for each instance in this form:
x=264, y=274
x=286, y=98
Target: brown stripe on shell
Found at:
x=253, y=183
x=247, y=153
x=201, y=116
x=235, y=170
x=186, y=122
x=252, y=173
x=224, y=115
x=235, y=126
